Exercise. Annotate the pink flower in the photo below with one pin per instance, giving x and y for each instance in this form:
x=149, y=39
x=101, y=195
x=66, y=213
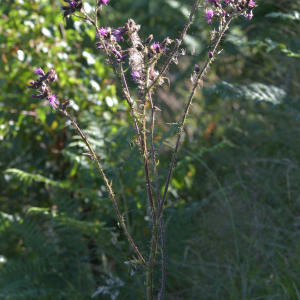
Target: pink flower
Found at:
x=52, y=100
x=102, y=31
x=118, y=35
x=209, y=13
x=103, y=2
x=156, y=47
x=251, y=3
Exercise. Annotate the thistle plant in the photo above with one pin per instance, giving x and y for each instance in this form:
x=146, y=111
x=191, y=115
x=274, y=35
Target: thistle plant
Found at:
x=142, y=55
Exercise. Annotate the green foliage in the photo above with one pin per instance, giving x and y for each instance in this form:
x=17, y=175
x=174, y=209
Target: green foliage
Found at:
x=294, y=15
x=29, y=178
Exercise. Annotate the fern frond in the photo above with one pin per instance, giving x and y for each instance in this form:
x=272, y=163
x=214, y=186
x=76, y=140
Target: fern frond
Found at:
x=28, y=178
x=254, y=92
x=294, y=15
x=268, y=44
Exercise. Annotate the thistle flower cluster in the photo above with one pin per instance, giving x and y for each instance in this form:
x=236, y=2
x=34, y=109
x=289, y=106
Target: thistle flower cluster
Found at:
x=244, y=7
x=41, y=86
x=142, y=55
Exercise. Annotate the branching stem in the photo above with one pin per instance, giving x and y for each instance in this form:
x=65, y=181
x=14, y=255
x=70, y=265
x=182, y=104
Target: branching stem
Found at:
x=185, y=114
x=173, y=53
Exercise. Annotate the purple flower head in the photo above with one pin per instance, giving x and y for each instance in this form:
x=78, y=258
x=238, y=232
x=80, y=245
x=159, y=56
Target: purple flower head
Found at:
x=209, y=13
x=39, y=71
x=211, y=55
x=212, y=1
x=118, y=34
x=135, y=75
x=197, y=69
x=102, y=32
x=52, y=100
x=103, y=2
x=156, y=47
x=251, y=3
x=72, y=4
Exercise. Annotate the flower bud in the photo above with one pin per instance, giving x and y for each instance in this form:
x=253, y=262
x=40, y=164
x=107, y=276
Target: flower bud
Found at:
x=148, y=40
x=124, y=57
x=65, y=105
x=139, y=47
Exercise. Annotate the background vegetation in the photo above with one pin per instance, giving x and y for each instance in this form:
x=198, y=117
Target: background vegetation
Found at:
x=235, y=232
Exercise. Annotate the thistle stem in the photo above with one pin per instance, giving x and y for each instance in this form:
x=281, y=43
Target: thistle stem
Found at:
x=108, y=185
x=185, y=114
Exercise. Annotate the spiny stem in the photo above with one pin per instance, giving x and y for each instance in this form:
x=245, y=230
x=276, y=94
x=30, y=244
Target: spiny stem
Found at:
x=108, y=185
x=185, y=114
x=158, y=199
x=145, y=154
x=163, y=261
x=152, y=148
